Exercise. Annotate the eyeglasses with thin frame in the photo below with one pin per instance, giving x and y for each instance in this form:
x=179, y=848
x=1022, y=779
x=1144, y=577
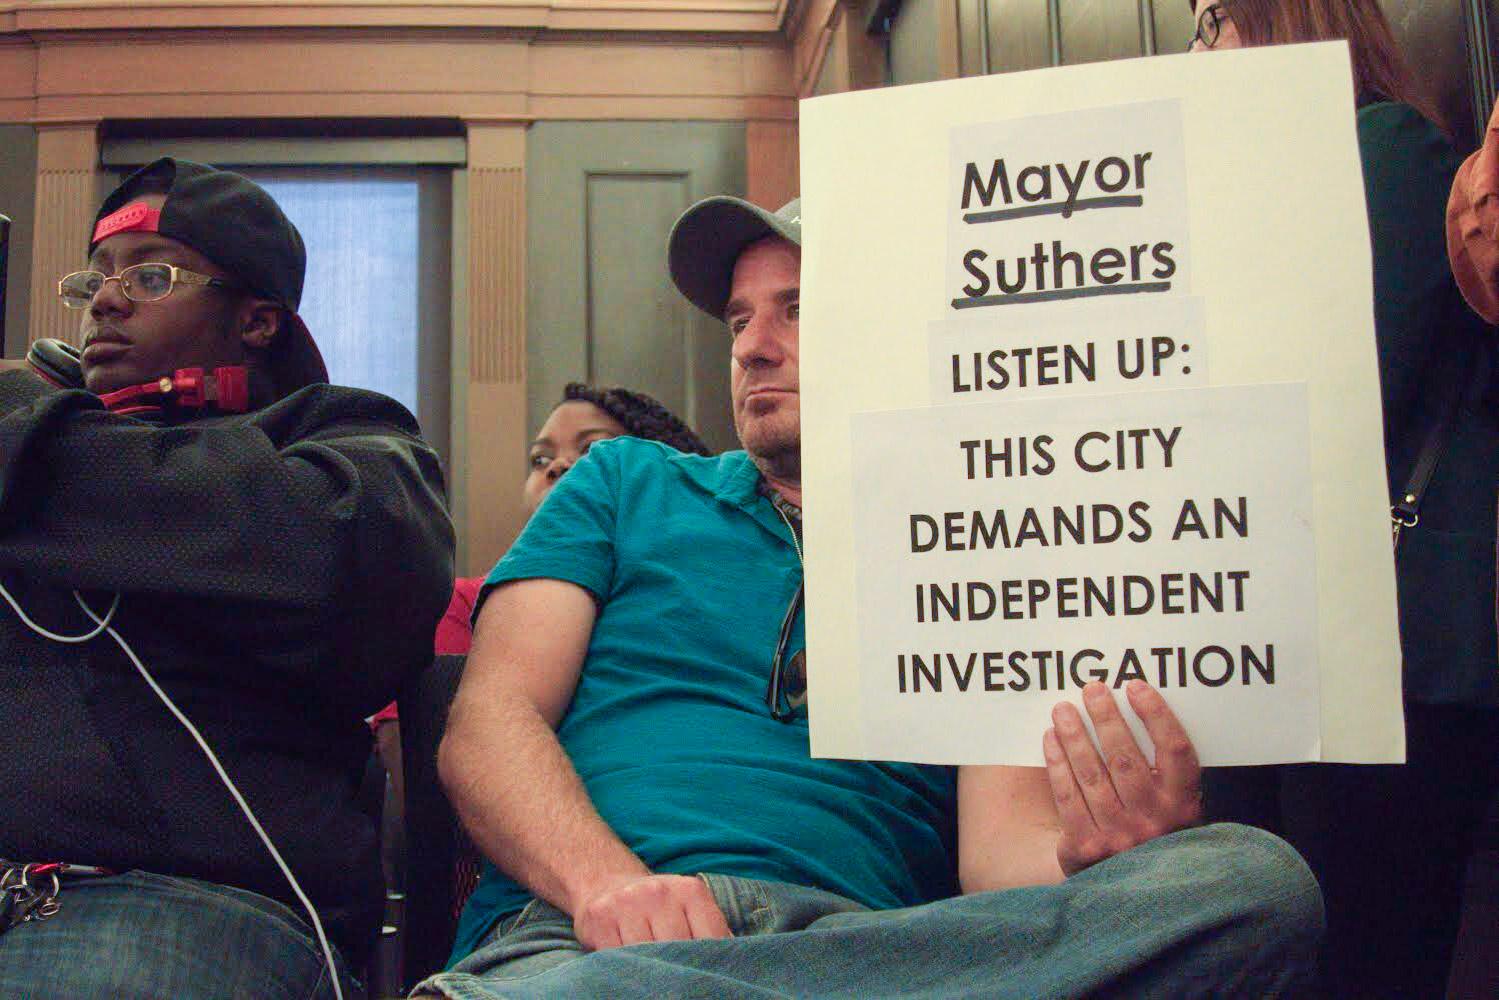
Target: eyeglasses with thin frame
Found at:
x=140, y=283
x=1209, y=24
x=788, y=678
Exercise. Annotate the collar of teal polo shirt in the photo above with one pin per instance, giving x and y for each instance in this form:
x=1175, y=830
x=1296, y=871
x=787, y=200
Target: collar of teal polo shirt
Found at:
x=734, y=479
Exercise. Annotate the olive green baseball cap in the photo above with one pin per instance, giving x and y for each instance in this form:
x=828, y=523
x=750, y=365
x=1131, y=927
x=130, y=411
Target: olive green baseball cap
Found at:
x=710, y=236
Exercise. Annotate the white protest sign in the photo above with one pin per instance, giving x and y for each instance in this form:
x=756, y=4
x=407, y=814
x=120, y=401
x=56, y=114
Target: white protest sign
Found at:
x=1089, y=391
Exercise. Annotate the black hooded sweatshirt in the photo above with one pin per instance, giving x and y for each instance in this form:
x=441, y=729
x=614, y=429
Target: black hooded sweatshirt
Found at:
x=280, y=574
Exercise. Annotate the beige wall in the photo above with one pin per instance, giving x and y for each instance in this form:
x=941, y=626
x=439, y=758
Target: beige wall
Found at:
x=73, y=69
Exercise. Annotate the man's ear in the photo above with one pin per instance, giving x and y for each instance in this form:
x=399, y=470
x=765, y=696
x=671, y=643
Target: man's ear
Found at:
x=260, y=323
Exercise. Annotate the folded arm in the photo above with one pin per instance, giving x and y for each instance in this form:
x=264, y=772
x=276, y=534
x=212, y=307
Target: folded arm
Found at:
x=315, y=524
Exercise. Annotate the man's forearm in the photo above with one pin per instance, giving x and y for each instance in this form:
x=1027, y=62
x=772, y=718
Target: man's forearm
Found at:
x=1028, y=860
x=520, y=799
x=1007, y=829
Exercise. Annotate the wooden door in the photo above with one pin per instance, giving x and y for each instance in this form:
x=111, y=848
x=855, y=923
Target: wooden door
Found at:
x=601, y=198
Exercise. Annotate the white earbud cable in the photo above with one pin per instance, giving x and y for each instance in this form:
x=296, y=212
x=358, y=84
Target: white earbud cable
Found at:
x=103, y=625
x=70, y=639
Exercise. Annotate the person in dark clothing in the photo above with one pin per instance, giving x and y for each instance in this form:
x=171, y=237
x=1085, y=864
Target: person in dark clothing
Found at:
x=1390, y=843
x=272, y=552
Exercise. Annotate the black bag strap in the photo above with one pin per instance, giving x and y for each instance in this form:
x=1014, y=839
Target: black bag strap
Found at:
x=1405, y=512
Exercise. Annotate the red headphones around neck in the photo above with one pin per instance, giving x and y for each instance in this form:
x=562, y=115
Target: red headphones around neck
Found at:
x=227, y=390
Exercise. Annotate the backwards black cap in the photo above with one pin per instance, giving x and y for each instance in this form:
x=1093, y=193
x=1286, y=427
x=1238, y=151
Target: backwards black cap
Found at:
x=232, y=221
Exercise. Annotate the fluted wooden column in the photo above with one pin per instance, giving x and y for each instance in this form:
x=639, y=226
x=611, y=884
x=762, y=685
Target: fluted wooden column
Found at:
x=66, y=199
x=495, y=432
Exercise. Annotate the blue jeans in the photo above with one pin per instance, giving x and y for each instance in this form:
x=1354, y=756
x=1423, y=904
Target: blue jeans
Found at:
x=140, y=936
x=1215, y=911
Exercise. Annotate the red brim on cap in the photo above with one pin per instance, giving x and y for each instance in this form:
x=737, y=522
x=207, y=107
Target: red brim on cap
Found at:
x=134, y=217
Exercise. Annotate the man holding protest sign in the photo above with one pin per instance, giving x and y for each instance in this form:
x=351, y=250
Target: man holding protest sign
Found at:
x=616, y=750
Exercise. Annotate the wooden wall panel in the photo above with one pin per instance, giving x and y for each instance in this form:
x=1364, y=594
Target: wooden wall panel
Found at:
x=841, y=55
x=18, y=201
x=66, y=199
x=601, y=305
x=915, y=43
x=834, y=73
x=643, y=70
x=813, y=32
x=772, y=154
x=949, y=55
x=17, y=79
x=1019, y=37
x=492, y=405
x=497, y=226
x=1174, y=24
x=637, y=327
x=1095, y=30
x=1434, y=39
x=769, y=71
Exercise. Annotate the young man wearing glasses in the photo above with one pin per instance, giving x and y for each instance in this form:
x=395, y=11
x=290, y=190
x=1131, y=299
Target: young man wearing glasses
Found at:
x=271, y=550
x=629, y=747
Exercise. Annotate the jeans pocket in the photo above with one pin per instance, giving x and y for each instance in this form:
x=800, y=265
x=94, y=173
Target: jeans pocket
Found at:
x=506, y=926
x=742, y=902
x=538, y=938
x=539, y=926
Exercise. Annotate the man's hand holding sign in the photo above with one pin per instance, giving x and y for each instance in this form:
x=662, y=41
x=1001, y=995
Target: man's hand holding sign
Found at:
x=1026, y=826
x=1110, y=803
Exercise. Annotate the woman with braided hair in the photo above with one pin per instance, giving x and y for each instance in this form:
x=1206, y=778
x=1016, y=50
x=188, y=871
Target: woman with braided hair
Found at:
x=587, y=414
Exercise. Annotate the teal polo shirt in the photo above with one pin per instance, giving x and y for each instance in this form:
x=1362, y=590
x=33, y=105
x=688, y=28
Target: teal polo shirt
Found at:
x=693, y=571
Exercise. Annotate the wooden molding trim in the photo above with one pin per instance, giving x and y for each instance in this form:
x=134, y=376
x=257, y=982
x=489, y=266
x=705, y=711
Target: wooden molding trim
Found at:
x=831, y=41
x=812, y=35
x=709, y=16
x=475, y=75
x=353, y=105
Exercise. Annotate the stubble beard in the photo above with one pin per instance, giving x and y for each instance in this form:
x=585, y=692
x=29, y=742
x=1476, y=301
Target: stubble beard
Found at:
x=775, y=450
